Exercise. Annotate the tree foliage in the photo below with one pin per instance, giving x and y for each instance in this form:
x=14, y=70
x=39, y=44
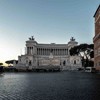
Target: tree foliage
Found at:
x=86, y=51
x=1, y=64
x=10, y=62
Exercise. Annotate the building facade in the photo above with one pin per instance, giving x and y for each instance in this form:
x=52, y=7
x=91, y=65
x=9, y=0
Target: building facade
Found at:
x=96, y=39
x=48, y=56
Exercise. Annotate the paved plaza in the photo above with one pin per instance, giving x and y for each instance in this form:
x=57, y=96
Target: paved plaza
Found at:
x=50, y=86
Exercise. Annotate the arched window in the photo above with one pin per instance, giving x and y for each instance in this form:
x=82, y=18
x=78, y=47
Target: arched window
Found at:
x=30, y=63
x=74, y=61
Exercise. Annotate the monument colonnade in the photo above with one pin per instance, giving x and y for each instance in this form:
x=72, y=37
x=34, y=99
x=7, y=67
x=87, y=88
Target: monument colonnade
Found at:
x=47, y=51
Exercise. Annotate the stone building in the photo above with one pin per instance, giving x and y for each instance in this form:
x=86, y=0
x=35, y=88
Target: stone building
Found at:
x=48, y=56
x=96, y=39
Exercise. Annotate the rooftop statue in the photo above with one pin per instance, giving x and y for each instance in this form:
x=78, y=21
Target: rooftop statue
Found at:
x=72, y=39
x=31, y=38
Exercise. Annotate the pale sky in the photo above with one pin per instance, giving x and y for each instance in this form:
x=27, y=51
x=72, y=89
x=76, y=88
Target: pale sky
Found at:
x=50, y=21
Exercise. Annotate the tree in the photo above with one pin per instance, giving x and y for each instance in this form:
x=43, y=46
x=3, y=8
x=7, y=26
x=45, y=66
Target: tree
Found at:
x=85, y=51
x=1, y=64
x=10, y=62
x=92, y=54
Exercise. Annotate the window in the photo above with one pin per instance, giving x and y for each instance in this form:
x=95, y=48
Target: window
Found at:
x=98, y=51
x=74, y=61
x=30, y=63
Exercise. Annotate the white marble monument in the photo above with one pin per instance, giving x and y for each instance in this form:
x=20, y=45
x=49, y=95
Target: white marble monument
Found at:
x=47, y=56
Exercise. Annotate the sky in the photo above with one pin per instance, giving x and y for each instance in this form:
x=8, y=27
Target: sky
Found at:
x=49, y=21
